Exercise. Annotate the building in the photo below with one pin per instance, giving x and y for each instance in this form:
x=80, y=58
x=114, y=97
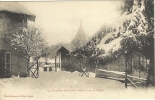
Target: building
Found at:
x=12, y=16
x=62, y=52
x=59, y=54
x=80, y=38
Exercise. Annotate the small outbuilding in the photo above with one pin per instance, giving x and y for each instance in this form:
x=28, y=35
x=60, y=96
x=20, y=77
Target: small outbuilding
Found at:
x=60, y=54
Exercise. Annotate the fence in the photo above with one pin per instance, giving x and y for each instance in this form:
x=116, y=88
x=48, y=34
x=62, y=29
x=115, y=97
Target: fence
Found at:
x=137, y=72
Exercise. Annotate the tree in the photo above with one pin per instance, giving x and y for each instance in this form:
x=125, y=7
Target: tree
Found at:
x=45, y=53
x=125, y=6
x=78, y=43
x=141, y=28
x=136, y=25
x=29, y=41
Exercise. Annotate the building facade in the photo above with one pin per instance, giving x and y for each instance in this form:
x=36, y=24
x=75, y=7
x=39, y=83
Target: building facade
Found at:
x=12, y=16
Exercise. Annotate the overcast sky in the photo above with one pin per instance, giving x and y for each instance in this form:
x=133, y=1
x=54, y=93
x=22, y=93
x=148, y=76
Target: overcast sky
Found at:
x=61, y=20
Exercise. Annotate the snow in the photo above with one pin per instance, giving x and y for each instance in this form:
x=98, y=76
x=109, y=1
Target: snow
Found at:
x=42, y=59
x=118, y=25
x=114, y=45
x=109, y=35
x=48, y=66
x=112, y=71
x=56, y=85
x=51, y=60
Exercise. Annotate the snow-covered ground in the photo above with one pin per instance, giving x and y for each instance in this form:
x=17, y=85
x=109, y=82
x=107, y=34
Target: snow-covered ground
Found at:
x=67, y=85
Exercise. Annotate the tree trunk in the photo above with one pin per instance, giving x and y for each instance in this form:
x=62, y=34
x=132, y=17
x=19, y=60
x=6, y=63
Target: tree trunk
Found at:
x=131, y=64
x=55, y=64
x=46, y=61
x=28, y=63
x=150, y=71
x=126, y=70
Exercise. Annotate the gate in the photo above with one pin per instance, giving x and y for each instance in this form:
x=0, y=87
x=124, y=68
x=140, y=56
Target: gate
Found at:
x=135, y=81
x=34, y=70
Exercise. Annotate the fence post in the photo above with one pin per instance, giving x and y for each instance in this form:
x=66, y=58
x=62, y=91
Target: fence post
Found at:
x=139, y=65
x=37, y=69
x=55, y=65
x=28, y=67
x=126, y=72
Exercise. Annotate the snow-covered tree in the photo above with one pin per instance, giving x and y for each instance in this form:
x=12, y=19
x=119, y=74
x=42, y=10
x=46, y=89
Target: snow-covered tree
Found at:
x=139, y=26
x=29, y=41
x=138, y=30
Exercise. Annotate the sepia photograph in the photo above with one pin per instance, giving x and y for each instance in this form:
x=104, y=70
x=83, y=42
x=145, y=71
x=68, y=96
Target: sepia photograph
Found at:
x=77, y=49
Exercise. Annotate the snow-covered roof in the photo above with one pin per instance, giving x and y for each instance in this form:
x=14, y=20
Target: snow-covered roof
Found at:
x=14, y=7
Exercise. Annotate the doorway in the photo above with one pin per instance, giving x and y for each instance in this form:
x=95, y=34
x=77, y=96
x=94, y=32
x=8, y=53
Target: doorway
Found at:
x=5, y=64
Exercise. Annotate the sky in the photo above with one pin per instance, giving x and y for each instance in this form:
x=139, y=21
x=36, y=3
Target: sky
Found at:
x=60, y=20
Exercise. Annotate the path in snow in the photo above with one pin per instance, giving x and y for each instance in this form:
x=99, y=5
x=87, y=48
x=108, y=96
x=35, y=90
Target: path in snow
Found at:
x=66, y=85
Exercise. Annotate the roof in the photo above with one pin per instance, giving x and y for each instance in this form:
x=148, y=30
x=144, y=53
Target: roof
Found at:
x=68, y=47
x=14, y=7
x=58, y=47
x=54, y=51
x=80, y=35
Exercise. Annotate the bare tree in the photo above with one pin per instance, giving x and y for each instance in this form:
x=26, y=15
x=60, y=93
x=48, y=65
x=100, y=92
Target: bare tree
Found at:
x=78, y=43
x=45, y=53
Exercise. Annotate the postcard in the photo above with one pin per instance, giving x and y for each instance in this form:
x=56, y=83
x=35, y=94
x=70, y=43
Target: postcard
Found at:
x=77, y=50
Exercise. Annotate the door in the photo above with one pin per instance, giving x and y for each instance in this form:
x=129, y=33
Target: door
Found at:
x=2, y=63
x=8, y=64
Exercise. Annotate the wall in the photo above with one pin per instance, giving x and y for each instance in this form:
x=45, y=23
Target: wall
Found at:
x=9, y=22
x=58, y=60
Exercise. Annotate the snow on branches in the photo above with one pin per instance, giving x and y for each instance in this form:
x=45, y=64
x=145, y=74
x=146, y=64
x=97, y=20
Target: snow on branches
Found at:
x=29, y=41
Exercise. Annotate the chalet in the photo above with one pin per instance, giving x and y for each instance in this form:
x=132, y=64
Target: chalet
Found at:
x=12, y=16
